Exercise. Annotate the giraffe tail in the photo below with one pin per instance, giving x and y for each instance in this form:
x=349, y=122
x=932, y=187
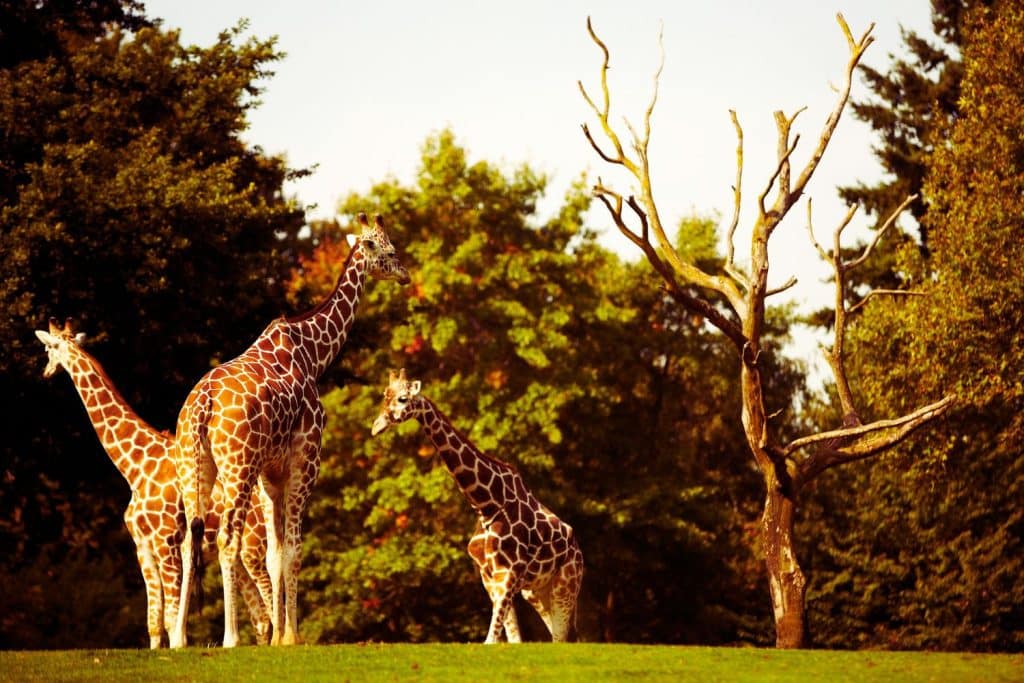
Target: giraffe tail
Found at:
x=198, y=528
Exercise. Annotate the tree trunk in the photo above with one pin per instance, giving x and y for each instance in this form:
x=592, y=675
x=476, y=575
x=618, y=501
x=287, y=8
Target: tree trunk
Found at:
x=786, y=579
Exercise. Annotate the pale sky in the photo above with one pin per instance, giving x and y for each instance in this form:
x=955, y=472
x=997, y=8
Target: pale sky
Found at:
x=364, y=84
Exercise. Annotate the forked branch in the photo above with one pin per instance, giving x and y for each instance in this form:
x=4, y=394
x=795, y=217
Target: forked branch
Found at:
x=787, y=195
x=653, y=239
x=840, y=446
x=852, y=441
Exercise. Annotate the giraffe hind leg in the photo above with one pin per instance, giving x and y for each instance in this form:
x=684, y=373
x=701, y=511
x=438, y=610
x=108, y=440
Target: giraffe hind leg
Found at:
x=541, y=603
x=564, y=599
x=258, y=614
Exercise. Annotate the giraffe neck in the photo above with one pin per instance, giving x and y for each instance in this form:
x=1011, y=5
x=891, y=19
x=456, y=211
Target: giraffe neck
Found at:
x=127, y=438
x=487, y=483
x=322, y=331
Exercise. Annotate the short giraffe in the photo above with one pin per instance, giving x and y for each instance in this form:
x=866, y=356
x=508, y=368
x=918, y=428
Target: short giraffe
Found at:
x=259, y=417
x=154, y=516
x=519, y=545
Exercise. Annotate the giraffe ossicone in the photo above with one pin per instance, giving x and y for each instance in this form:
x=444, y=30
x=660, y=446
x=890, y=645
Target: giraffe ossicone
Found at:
x=154, y=516
x=519, y=546
x=259, y=417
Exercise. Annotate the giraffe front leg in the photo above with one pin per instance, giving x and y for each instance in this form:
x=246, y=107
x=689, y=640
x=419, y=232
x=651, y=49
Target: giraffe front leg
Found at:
x=169, y=560
x=512, y=624
x=301, y=484
x=189, y=546
x=506, y=583
x=154, y=592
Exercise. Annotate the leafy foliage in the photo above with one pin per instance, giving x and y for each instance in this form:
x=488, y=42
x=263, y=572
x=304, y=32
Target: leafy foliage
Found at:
x=941, y=559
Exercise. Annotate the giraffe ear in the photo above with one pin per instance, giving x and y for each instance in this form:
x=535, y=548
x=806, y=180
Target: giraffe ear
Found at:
x=80, y=337
x=414, y=387
x=351, y=239
x=45, y=337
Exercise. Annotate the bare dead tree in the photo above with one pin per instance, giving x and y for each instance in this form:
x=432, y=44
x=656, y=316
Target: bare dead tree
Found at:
x=785, y=467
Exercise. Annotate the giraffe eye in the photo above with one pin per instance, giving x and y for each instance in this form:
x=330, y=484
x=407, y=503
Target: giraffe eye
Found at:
x=403, y=399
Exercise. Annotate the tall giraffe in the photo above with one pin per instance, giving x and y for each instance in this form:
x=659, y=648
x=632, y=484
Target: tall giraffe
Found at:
x=259, y=416
x=155, y=516
x=519, y=545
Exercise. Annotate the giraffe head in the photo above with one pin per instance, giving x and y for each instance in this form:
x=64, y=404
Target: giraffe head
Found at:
x=399, y=404
x=381, y=261
x=58, y=343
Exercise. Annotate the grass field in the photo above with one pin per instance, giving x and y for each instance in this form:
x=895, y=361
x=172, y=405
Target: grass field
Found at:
x=528, y=662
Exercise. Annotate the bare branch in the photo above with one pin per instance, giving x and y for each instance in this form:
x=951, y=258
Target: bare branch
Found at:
x=662, y=249
x=614, y=206
x=604, y=112
x=600, y=152
x=641, y=215
x=880, y=435
x=810, y=231
x=856, y=52
x=878, y=292
x=782, y=167
x=781, y=288
x=654, y=89
x=847, y=433
x=837, y=254
x=730, y=241
x=881, y=231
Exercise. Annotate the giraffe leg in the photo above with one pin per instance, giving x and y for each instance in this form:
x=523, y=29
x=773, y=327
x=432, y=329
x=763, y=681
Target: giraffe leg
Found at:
x=196, y=473
x=229, y=545
x=254, y=604
x=507, y=583
x=154, y=591
x=255, y=580
x=258, y=561
x=273, y=517
x=189, y=546
x=512, y=625
x=300, y=487
x=541, y=602
x=169, y=560
x=564, y=596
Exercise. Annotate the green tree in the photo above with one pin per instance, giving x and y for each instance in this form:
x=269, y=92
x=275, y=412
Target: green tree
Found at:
x=129, y=201
x=941, y=557
x=551, y=354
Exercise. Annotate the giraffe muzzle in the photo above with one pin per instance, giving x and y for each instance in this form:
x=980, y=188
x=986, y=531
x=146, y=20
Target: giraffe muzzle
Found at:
x=380, y=424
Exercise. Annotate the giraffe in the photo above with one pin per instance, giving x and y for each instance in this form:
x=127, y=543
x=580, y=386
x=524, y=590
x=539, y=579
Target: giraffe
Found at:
x=155, y=515
x=259, y=417
x=519, y=546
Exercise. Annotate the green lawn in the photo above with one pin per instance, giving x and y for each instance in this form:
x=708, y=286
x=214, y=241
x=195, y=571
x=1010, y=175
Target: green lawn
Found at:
x=528, y=662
